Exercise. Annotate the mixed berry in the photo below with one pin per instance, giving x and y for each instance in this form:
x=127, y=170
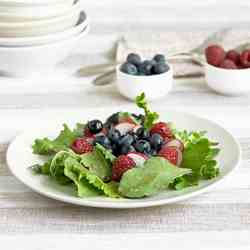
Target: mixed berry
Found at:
x=126, y=137
x=134, y=65
x=231, y=59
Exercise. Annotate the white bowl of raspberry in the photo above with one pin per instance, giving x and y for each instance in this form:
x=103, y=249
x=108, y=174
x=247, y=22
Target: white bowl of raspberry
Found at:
x=227, y=73
x=153, y=77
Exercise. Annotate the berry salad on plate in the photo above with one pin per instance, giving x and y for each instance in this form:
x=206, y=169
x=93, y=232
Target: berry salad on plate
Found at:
x=127, y=156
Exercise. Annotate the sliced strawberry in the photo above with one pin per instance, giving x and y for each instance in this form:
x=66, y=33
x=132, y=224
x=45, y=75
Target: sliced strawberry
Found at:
x=162, y=129
x=124, y=127
x=81, y=146
x=174, y=143
x=121, y=165
x=172, y=154
x=138, y=158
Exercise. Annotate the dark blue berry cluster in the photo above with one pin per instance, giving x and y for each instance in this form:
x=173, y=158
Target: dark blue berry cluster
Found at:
x=136, y=140
x=134, y=65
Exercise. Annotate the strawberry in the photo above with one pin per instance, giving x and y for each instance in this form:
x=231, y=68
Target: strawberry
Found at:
x=228, y=64
x=172, y=154
x=122, y=164
x=81, y=146
x=245, y=58
x=215, y=54
x=234, y=56
x=162, y=129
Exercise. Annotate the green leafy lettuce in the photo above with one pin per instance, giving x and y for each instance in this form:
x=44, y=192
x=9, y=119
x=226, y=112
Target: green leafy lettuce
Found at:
x=46, y=146
x=155, y=175
x=199, y=155
x=87, y=183
x=150, y=117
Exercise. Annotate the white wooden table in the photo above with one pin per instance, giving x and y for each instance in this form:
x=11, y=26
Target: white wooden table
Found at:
x=219, y=219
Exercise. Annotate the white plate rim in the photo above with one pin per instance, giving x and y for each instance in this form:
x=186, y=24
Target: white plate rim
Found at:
x=135, y=204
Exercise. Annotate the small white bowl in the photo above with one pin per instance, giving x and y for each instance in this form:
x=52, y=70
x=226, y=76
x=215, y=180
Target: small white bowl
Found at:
x=33, y=3
x=228, y=81
x=23, y=13
x=154, y=86
x=39, y=40
x=33, y=60
x=41, y=27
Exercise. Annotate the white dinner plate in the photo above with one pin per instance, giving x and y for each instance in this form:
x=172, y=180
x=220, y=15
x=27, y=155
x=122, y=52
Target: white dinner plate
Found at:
x=20, y=157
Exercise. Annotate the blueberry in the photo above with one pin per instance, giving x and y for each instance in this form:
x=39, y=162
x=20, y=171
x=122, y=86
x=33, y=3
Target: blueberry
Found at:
x=145, y=68
x=153, y=152
x=160, y=68
x=142, y=146
x=142, y=133
x=129, y=68
x=159, y=58
x=134, y=59
x=113, y=119
x=103, y=140
x=114, y=135
x=127, y=149
x=126, y=140
x=156, y=141
x=95, y=126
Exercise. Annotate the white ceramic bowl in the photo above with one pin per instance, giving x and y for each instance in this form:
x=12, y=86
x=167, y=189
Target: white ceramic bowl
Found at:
x=33, y=3
x=28, y=61
x=154, y=86
x=228, y=81
x=22, y=13
x=41, y=27
x=38, y=40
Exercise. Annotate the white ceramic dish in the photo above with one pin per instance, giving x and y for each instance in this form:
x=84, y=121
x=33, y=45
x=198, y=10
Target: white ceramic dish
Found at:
x=228, y=81
x=154, y=86
x=41, y=27
x=32, y=60
x=20, y=157
x=38, y=40
x=21, y=13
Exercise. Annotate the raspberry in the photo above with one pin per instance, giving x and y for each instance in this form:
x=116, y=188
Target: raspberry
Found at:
x=81, y=146
x=245, y=59
x=228, y=64
x=234, y=56
x=162, y=129
x=215, y=55
x=87, y=132
x=122, y=164
x=171, y=154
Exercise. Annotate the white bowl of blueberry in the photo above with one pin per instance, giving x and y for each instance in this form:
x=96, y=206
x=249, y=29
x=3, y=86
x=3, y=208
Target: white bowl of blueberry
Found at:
x=153, y=77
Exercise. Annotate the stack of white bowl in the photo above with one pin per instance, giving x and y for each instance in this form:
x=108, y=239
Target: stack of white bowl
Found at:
x=35, y=35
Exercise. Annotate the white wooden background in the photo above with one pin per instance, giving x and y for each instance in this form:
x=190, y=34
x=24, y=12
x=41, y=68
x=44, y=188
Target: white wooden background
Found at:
x=216, y=220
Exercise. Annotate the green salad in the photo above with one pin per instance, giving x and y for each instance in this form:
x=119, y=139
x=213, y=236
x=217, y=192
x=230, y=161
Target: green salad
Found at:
x=128, y=155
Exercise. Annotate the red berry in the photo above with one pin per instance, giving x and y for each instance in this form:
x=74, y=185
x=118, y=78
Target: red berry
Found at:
x=234, y=56
x=228, y=64
x=162, y=129
x=81, y=146
x=245, y=59
x=122, y=164
x=215, y=55
x=172, y=154
x=87, y=132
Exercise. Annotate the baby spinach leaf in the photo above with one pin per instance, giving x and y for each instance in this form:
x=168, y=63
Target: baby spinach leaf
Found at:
x=155, y=175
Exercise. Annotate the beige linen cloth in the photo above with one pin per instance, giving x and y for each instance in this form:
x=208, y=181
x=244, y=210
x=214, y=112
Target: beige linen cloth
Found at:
x=171, y=43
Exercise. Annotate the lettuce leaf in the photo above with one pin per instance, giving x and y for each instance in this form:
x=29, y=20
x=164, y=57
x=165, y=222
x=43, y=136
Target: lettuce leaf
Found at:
x=199, y=155
x=46, y=146
x=107, y=153
x=155, y=175
x=87, y=183
x=97, y=164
